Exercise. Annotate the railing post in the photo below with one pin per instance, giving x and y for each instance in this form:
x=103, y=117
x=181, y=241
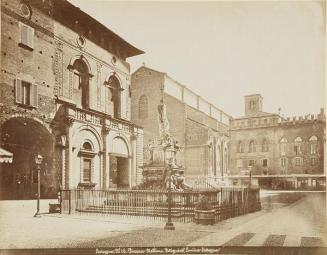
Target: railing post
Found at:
x=69, y=202
x=60, y=200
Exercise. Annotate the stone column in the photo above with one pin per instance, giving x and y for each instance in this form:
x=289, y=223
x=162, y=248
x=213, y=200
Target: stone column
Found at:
x=130, y=172
x=132, y=160
x=309, y=182
x=61, y=158
x=105, y=158
x=68, y=153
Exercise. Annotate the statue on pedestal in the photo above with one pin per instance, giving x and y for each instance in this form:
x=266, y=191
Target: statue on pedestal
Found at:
x=163, y=158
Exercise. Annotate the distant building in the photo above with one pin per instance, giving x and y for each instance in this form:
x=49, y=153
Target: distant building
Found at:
x=200, y=127
x=266, y=144
x=65, y=94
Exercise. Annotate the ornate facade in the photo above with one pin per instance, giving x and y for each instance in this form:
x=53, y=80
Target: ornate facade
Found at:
x=65, y=94
x=267, y=144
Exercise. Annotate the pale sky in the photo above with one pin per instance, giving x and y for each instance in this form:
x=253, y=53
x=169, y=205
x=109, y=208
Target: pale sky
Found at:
x=226, y=50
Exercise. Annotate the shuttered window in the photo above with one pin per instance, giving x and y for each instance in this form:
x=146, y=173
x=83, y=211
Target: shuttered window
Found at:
x=26, y=36
x=87, y=163
x=26, y=93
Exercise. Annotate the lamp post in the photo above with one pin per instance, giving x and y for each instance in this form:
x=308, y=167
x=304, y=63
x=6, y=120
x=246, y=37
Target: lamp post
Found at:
x=38, y=161
x=169, y=224
x=250, y=175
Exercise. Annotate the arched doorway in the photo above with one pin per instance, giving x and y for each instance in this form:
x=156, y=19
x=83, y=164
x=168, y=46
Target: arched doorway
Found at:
x=26, y=138
x=119, y=164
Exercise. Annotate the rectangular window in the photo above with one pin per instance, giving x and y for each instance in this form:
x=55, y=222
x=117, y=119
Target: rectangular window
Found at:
x=283, y=147
x=26, y=93
x=297, y=149
x=314, y=161
x=251, y=162
x=313, y=148
x=298, y=161
x=87, y=164
x=283, y=162
x=26, y=36
x=265, y=162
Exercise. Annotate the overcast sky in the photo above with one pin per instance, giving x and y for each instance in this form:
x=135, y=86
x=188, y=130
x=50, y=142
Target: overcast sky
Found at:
x=226, y=50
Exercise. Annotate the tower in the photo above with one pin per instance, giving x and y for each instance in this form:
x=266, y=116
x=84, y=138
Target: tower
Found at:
x=253, y=104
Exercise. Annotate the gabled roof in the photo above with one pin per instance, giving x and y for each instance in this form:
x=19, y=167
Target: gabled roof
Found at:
x=147, y=68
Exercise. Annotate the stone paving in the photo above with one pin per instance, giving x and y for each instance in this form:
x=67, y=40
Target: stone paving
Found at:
x=285, y=221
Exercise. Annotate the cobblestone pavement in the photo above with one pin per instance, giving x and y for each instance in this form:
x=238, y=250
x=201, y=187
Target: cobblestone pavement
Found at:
x=300, y=224
x=289, y=219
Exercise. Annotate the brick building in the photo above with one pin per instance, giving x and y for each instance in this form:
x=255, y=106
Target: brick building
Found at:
x=269, y=145
x=64, y=94
x=199, y=127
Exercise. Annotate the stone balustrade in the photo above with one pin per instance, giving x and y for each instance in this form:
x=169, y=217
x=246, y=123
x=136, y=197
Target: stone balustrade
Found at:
x=99, y=119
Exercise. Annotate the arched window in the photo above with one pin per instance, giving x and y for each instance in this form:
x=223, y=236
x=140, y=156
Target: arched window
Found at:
x=240, y=147
x=115, y=95
x=251, y=146
x=265, y=145
x=143, y=107
x=210, y=158
x=313, y=144
x=87, y=146
x=81, y=79
x=218, y=160
x=283, y=146
x=298, y=145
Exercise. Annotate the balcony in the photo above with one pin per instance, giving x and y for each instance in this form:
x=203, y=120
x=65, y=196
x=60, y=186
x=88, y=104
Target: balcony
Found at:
x=98, y=118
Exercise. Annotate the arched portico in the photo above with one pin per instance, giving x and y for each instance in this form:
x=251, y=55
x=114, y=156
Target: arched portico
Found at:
x=119, y=162
x=25, y=138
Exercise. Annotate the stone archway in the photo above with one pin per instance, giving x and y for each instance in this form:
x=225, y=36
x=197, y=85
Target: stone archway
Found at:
x=120, y=163
x=25, y=138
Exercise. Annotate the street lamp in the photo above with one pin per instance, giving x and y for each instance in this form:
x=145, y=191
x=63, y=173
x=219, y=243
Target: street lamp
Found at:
x=250, y=175
x=169, y=224
x=38, y=161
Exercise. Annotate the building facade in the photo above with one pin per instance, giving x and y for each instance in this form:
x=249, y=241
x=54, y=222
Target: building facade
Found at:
x=200, y=128
x=266, y=145
x=65, y=94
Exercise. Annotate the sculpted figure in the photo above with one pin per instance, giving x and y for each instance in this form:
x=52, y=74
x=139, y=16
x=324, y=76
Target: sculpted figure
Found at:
x=163, y=121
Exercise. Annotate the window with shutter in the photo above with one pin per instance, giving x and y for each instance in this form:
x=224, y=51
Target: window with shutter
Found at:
x=18, y=91
x=26, y=93
x=26, y=36
x=34, y=95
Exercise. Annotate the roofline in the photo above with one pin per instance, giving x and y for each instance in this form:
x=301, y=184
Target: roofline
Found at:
x=185, y=87
x=253, y=117
x=53, y=7
x=142, y=66
x=253, y=95
x=135, y=51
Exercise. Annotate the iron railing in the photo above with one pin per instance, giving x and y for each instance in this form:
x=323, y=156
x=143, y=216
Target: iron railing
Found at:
x=227, y=201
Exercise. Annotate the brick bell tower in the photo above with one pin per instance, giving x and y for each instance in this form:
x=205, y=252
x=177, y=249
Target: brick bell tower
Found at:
x=253, y=104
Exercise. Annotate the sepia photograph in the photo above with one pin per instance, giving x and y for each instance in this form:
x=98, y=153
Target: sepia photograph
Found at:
x=163, y=127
